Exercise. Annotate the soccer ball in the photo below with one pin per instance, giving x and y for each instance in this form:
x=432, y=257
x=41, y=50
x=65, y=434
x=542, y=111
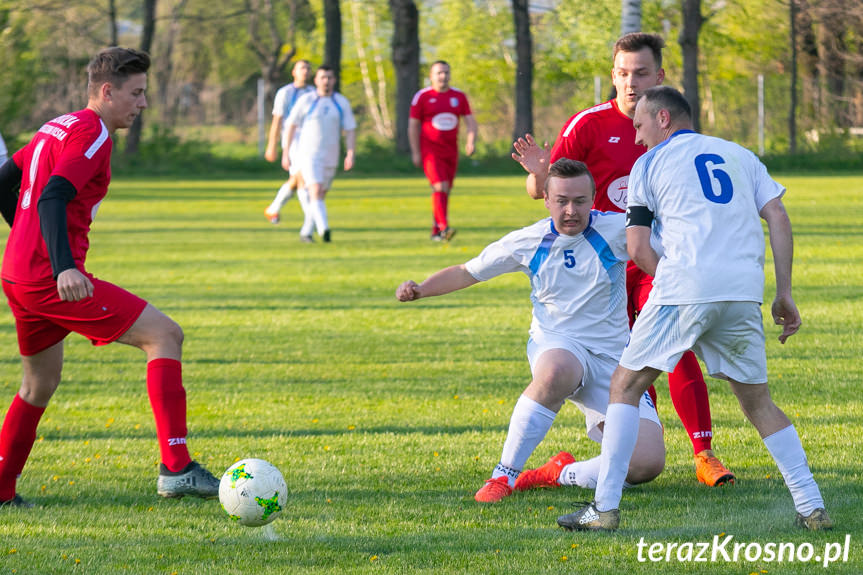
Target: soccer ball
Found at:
x=253, y=492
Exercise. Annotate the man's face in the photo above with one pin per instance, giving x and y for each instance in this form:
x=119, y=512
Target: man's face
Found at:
x=648, y=127
x=439, y=76
x=568, y=201
x=325, y=80
x=633, y=73
x=301, y=73
x=125, y=101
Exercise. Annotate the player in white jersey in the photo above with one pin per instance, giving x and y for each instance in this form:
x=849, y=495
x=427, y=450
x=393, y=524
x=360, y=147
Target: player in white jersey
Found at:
x=576, y=261
x=285, y=99
x=699, y=200
x=323, y=115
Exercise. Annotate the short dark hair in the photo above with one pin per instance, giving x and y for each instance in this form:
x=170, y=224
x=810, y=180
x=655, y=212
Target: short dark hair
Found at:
x=565, y=168
x=667, y=98
x=636, y=41
x=444, y=62
x=300, y=61
x=114, y=65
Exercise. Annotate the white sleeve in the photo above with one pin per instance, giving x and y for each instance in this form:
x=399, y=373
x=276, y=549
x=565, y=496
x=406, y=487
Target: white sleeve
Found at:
x=766, y=188
x=279, y=102
x=637, y=193
x=298, y=112
x=496, y=259
x=348, y=121
x=4, y=153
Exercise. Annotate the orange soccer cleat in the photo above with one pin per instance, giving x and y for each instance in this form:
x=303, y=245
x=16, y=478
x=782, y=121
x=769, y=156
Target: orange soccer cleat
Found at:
x=546, y=475
x=494, y=490
x=710, y=471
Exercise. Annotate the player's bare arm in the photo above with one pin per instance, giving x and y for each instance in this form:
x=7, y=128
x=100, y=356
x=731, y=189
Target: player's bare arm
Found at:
x=414, y=141
x=472, y=127
x=443, y=282
x=639, y=249
x=784, y=310
x=275, y=128
x=350, y=142
x=289, y=137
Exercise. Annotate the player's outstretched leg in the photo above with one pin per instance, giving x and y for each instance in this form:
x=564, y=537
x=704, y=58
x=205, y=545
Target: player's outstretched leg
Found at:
x=781, y=439
x=273, y=211
x=547, y=475
x=161, y=338
x=689, y=396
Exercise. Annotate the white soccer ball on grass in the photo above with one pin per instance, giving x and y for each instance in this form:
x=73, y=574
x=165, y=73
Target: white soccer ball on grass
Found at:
x=253, y=492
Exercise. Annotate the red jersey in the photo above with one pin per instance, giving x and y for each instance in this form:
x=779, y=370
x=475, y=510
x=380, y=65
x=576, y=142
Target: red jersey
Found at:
x=439, y=113
x=603, y=138
x=76, y=146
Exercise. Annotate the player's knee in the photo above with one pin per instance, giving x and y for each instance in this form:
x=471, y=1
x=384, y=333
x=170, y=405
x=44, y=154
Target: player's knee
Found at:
x=38, y=390
x=646, y=467
x=174, y=333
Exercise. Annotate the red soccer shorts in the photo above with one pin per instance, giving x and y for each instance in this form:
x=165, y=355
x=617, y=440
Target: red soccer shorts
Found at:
x=638, y=286
x=440, y=167
x=42, y=319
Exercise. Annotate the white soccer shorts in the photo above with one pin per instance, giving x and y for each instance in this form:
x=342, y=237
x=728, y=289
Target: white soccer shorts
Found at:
x=728, y=336
x=591, y=397
x=315, y=172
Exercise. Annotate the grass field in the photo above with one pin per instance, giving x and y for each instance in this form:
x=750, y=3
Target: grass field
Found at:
x=386, y=417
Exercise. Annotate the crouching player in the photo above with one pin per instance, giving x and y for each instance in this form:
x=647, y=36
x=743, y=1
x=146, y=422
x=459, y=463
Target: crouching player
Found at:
x=63, y=175
x=576, y=261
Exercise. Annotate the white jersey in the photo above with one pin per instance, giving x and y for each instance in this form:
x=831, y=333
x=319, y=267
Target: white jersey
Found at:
x=286, y=97
x=705, y=194
x=578, y=282
x=4, y=153
x=322, y=120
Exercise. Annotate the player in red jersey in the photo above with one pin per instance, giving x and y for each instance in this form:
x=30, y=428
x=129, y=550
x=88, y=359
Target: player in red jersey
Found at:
x=433, y=135
x=603, y=137
x=63, y=175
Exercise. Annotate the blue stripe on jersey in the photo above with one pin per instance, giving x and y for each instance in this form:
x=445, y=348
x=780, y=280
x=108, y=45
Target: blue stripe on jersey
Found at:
x=652, y=152
x=541, y=253
x=614, y=267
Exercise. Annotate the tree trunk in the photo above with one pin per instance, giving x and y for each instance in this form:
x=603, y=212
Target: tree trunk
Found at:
x=792, y=112
x=406, y=63
x=133, y=139
x=333, y=41
x=524, y=70
x=688, y=41
x=630, y=19
x=112, y=21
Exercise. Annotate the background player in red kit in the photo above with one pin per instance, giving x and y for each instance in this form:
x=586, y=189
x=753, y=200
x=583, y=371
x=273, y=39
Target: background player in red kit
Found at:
x=603, y=137
x=433, y=136
x=63, y=175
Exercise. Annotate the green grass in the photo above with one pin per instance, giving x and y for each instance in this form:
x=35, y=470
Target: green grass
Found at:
x=386, y=417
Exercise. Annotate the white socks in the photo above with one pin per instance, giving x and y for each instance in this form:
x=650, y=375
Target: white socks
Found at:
x=618, y=442
x=308, y=222
x=787, y=452
x=581, y=473
x=528, y=426
x=284, y=194
x=319, y=213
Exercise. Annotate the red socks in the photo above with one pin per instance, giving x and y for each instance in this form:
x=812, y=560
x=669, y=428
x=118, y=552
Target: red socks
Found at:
x=439, y=209
x=16, y=440
x=689, y=396
x=168, y=400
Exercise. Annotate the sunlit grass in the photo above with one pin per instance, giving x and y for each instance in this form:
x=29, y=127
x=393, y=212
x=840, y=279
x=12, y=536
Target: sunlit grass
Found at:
x=386, y=417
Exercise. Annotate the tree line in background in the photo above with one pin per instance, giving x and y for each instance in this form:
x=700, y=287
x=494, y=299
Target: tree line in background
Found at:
x=526, y=65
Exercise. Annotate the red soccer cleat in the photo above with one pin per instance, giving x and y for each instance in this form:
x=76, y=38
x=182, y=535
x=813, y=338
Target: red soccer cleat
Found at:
x=710, y=471
x=494, y=490
x=545, y=476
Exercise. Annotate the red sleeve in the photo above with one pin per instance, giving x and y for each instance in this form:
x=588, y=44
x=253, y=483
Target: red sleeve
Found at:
x=569, y=145
x=416, y=107
x=84, y=156
x=465, y=105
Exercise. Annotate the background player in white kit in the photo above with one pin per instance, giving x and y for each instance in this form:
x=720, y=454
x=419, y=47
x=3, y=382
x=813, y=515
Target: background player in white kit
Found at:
x=700, y=199
x=576, y=261
x=322, y=116
x=285, y=99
